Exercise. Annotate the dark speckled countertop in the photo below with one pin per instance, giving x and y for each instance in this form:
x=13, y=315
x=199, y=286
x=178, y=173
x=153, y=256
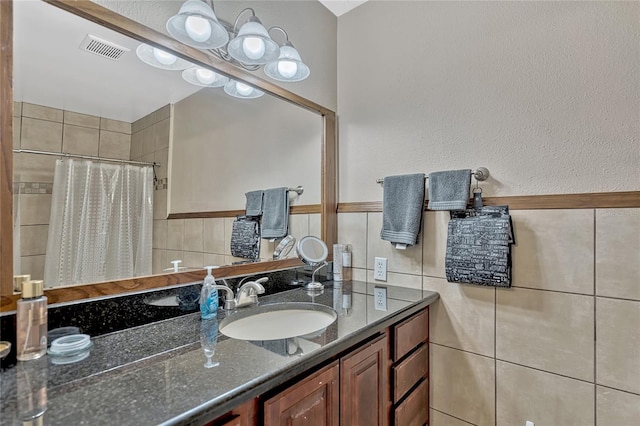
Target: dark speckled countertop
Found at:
x=154, y=373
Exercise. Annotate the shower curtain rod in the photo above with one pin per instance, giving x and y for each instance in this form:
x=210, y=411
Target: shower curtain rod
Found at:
x=86, y=157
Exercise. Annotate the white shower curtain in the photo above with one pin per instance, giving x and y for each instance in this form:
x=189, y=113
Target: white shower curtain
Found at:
x=101, y=223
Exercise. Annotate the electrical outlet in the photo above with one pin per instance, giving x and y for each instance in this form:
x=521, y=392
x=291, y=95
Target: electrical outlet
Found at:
x=529, y=423
x=380, y=298
x=380, y=269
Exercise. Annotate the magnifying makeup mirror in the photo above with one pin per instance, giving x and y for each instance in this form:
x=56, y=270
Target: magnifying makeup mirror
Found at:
x=313, y=251
x=284, y=248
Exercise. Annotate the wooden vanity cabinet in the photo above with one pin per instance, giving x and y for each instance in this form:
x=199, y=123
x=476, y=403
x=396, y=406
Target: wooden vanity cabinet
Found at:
x=243, y=415
x=364, y=384
x=410, y=370
x=310, y=402
x=382, y=381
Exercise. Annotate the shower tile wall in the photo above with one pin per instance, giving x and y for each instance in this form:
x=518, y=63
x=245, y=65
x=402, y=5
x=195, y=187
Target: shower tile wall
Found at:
x=561, y=347
x=42, y=128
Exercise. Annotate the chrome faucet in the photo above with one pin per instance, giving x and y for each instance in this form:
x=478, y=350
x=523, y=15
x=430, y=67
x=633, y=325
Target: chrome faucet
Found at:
x=229, y=301
x=248, y=293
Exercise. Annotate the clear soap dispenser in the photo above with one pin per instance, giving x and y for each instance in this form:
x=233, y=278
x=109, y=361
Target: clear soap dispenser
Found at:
x=209, y=296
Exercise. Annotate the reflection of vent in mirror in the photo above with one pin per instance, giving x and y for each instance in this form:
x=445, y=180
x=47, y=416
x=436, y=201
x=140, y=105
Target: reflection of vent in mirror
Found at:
x=103, y=48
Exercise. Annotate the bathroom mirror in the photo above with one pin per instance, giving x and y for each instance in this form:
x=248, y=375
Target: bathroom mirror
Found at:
x=324, y=206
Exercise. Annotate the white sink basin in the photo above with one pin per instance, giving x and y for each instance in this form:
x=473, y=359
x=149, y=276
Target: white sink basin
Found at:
x=278, y=321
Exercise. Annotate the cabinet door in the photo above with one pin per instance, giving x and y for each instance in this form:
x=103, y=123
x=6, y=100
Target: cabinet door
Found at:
x=364, y=385
x=311, y=402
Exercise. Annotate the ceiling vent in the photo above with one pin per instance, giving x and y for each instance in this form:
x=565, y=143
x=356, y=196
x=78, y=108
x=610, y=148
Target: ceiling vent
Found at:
x=103, y=48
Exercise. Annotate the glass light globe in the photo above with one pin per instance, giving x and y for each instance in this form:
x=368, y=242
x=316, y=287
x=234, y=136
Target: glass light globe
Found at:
x=253, y=47
x=198, y=28
x=163, y=57
x=205, y=76
x=243, y=89
x=287, y=68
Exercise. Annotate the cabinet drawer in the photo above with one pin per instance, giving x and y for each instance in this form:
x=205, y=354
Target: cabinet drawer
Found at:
x=414, y=411
x=410, y=371
x=410, y=333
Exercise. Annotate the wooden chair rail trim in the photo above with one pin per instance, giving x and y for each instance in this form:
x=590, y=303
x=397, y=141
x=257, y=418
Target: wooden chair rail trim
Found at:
x=595, y=200
x=111, y=288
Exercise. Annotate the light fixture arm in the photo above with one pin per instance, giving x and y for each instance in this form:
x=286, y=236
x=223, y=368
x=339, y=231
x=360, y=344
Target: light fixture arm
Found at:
x=235, y=24
x=286, y=36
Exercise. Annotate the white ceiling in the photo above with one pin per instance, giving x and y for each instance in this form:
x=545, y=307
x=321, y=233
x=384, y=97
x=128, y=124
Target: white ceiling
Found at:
x=50, y=69
x=340, y=7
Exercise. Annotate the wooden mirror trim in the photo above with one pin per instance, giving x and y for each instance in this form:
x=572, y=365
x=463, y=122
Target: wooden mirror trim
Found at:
x=107, y=18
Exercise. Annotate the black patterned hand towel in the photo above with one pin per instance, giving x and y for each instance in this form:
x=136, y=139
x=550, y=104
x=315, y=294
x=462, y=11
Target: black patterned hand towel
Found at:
x=479, y=248
x=449, y=190
x=402, y=207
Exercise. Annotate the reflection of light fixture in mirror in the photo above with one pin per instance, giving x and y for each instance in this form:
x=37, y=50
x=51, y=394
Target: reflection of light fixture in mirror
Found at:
x=160, y=59
x=313, y=251
x=241, y=90
x=289, y=65
x=253, y=45
x=196, y=25
x=204, y=77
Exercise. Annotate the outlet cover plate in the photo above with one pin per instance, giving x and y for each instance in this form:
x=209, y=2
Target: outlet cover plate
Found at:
x=380, y=269
x=380, y=298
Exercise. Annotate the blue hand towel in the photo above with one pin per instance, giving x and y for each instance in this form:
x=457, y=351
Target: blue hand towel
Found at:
x=275, y=213
x=254, y=203
x=402, y=207
x=449, y=190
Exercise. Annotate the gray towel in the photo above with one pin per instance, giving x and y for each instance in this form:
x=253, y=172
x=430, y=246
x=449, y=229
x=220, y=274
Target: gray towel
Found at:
x=254, y=203
x=402, y=207
x=449, y=190
x=275, y=213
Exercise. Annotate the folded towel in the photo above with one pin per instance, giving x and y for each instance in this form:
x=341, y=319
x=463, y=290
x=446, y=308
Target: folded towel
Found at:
x=254, y=203
x=449, y=190
x=275, y=213
x=402, y=206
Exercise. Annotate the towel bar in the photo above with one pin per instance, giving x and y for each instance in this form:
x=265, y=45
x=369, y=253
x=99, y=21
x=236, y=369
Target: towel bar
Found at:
x=299, y=189
x=480, y=174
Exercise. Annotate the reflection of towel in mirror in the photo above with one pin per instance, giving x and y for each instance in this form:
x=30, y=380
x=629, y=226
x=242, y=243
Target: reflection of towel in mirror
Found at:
x=253, y=206
x=402, y=206
x=275, y=213
x=449, y=190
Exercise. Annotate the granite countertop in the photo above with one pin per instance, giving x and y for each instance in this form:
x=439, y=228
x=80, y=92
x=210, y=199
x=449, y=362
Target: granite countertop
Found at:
x=154, y=374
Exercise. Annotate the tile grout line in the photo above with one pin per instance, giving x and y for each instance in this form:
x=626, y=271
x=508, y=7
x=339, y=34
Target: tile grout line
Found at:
x=457, y=418
x=595, y=320
x=495, y=355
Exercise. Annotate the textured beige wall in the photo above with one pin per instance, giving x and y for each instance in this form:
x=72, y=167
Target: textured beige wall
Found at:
x=544, y=94
x=223, y=147
x=311, y=27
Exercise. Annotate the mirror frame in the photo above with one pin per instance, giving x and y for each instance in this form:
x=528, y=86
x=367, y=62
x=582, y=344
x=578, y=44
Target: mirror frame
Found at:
x=109, y=19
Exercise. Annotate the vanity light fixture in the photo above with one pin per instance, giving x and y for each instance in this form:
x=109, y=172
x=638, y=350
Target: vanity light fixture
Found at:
x=196, y=25
x=289, y=65
x=204, y=77
x=250, y=47
x=241, y=90
x=253, y=44
x=160, y=59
